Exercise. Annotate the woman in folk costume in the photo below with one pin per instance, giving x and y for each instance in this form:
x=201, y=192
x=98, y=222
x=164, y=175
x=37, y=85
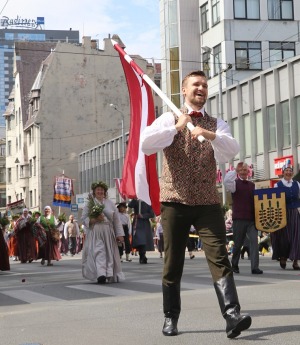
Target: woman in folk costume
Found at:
x=49, y=251
x=100, y=256
x=13, y=250
x=286, y=242
x=25, y=238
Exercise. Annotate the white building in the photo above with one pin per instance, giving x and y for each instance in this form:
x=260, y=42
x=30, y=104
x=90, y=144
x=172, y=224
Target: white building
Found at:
x=249, y=50
x=248, y=36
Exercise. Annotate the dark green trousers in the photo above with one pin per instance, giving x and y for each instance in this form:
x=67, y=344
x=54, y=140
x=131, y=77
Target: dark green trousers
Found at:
x=209, y=223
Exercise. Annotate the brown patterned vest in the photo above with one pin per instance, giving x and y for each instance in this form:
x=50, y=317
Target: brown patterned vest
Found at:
x=189, y=168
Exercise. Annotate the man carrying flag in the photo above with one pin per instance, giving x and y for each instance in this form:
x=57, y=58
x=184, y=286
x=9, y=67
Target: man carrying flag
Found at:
x=189, y=197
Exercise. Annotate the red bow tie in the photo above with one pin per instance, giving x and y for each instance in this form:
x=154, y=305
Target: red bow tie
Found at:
x=196, y=114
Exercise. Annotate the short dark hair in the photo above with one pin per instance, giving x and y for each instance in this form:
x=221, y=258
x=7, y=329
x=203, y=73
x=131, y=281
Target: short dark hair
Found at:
x=193, y=74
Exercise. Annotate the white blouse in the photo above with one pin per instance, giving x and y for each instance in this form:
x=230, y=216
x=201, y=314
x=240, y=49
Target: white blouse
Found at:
x=161, y=132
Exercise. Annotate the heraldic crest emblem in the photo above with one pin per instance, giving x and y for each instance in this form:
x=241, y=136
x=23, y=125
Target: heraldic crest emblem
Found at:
x=270, y=209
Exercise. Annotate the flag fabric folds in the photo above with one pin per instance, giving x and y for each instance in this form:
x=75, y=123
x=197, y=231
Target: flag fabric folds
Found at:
x=63, y=191
x=139, y=177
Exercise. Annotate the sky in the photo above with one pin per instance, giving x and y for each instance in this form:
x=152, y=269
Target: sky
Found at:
x=135, y=21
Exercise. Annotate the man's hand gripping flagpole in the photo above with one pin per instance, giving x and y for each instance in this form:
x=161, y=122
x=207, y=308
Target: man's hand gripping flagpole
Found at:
x=153, y=86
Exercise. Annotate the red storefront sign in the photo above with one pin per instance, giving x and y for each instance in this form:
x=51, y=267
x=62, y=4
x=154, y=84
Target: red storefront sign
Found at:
x=280, y=162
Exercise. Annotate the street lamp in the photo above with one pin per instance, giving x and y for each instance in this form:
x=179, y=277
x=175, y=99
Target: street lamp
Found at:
x=220, y=109
x=122, y=131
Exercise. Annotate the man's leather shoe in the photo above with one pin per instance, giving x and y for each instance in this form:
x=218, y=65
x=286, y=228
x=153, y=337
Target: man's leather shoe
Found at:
x=235, y=269
x=236, y=323
x=170, y=326
x=257, y=271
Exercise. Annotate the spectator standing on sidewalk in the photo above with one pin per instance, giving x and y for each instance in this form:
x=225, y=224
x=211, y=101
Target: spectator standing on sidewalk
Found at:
x=236, y=182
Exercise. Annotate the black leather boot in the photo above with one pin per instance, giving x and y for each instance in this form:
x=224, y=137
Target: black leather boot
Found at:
x=172, y=306
x=230, y=307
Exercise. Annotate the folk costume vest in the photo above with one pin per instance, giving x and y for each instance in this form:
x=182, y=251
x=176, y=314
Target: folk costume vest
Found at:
x=291, y=194
x=189, y=167
x=243, y=200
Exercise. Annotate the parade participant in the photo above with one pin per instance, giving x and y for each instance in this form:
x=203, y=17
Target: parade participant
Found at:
x=142, y=233
x=49, y=251
x=100, y=256
x=126, y=223
x=4, y=258
x=189, y=197
x=286, y=242
x=236, y=182
x=13, y=250
x=25, y=238
x=71, y=233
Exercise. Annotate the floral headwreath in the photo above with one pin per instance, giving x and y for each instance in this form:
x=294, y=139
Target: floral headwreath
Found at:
x=99, y=184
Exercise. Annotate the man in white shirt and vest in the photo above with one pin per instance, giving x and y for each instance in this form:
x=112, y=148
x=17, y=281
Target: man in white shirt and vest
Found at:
x=71, y=233
x=189, y=197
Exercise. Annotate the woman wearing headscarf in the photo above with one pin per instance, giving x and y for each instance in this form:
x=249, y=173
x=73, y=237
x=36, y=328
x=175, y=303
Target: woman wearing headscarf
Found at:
x=49, y=251
x=286, y=242
x=100, y=256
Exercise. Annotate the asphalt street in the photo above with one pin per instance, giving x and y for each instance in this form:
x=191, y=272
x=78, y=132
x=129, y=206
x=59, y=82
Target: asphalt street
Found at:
x=42, y=305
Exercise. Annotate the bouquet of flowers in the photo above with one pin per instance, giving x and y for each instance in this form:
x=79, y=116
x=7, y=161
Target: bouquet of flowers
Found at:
x=62, y=218
x=95, y=209
x=3, y=222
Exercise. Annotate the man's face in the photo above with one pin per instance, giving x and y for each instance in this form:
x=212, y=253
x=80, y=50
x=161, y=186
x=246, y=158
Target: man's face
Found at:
x=25, y=213
x=195, y=91
x=71, y=218
x=243, y=172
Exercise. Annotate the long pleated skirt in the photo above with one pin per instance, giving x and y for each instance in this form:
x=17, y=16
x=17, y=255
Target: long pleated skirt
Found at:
x=286, y=242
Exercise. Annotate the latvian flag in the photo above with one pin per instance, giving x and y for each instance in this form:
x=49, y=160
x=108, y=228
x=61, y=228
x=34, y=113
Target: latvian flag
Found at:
x=139, y=176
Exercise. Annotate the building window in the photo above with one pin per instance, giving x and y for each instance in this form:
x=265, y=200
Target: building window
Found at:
x=259, y=126
x=206, y=65
x=248, y=55
x=9, y=148
x=174, y=76
x=215, y=9
x=30, y=167
x=17, y=173
x=247, y=136
x=2, y=199
x=30, y=199
x=279, y=51
x=204, y=17
x=286, y=124
x=34, y=166
x=2, y=175
x=9, y=199
x=272, y=127
x=246, y=9
x=8, y=123
x=9, y=175
x=2, y=150
x=217, y=59
x=280, y=9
